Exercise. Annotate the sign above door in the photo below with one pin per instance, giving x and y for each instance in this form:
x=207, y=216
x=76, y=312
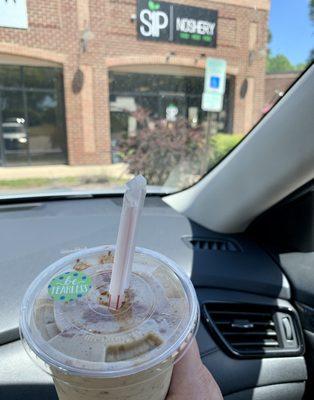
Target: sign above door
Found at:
x=170, y=22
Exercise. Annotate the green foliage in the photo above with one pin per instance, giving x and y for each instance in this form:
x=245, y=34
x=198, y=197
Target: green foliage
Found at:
x=281, y=63
x=311, y=12
x=278, y=63
x=311, y=5
x=220, y=145
x=300, y=66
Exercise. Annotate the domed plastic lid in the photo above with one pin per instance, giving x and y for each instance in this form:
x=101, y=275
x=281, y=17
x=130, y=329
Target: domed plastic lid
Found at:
x=66, y=322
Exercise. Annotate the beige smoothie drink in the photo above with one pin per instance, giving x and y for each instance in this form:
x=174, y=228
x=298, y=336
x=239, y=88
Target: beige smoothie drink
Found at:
x=95, y=352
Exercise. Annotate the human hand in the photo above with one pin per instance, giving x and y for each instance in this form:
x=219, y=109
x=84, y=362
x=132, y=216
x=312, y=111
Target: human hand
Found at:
x=191, y=380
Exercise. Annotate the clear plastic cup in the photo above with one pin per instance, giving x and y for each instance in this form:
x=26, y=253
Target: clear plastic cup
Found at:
x=94, y=352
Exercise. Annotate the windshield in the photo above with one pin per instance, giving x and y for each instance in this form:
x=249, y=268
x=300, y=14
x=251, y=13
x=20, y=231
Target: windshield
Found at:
x=92, y=93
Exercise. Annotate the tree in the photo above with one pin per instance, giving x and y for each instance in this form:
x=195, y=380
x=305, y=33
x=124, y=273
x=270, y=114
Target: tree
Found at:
x=269, y=36
x=278, y=63
x=311, y=12
x=300, y=66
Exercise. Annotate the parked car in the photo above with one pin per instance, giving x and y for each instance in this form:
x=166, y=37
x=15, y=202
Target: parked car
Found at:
x=14, y=134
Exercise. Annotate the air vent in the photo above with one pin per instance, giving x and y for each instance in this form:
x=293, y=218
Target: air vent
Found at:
x=253, y=330
x=198, y=243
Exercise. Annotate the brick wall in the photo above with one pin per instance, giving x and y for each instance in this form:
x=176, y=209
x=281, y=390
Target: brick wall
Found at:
x=276, y=83
x=55, y=28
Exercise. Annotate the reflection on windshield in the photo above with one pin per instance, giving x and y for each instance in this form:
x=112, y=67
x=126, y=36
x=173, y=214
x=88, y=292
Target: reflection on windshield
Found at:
x=91, y=95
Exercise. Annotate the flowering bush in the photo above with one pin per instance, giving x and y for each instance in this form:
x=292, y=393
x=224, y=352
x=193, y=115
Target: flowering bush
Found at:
x=172, y=152
x=160, y=146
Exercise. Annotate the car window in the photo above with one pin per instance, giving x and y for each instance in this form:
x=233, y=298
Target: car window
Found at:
x=91, y=94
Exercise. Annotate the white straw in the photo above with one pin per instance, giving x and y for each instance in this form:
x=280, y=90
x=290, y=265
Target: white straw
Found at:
x=133, y=202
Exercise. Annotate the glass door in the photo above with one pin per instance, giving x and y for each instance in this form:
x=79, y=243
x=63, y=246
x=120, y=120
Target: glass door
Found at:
x=14, y=139
x=47, y=144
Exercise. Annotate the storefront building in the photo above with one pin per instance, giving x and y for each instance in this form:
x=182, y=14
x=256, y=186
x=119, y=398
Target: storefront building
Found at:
x=72, y=72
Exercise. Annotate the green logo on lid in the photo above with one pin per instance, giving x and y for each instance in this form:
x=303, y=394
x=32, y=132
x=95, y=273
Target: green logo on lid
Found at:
x=69, y=286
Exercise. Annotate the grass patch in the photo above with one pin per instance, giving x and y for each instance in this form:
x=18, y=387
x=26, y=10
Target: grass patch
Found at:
x=24, y=183
x=37, y=182
x=69, y=181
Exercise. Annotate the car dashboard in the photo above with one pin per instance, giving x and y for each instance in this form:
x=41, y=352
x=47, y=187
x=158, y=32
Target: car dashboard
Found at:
x=234, y=276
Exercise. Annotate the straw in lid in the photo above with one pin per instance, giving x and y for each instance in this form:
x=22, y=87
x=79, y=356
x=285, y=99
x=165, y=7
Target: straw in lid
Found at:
x=133, y=202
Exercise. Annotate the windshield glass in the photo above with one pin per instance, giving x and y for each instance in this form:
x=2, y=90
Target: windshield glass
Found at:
x=92, y=93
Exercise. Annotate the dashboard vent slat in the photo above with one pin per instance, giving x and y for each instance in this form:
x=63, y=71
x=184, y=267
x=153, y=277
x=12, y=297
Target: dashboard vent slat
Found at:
x=252, y=333
x=249, y=330
x=209, y=244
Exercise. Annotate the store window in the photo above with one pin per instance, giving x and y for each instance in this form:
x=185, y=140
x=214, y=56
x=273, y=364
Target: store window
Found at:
x=162, y=97
x=32, y=123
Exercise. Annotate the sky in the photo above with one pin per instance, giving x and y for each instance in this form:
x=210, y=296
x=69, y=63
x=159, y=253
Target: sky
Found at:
x=291, y=28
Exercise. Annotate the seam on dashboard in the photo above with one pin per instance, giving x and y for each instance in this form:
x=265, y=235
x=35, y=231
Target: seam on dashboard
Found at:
x=208, y=352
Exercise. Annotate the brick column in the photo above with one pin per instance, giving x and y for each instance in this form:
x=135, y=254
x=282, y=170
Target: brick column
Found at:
x=238, y=110
x=72, y=116
x=102, y=114
x=88, y=116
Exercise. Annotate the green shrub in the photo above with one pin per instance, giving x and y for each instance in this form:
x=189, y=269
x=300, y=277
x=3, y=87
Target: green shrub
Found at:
x=221, y=143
